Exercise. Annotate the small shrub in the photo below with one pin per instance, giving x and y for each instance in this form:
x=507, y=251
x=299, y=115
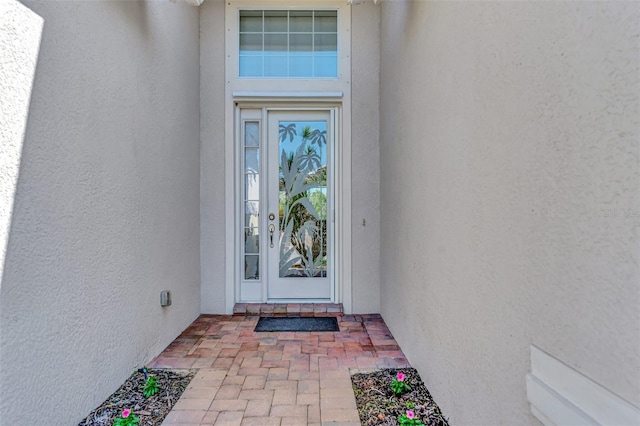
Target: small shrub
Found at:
x=151, y=387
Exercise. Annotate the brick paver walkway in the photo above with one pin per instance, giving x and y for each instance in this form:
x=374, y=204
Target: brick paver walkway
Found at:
x=292, y=378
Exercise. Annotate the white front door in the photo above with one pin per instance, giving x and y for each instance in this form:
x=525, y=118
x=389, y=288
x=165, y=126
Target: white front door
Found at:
x=288, y=223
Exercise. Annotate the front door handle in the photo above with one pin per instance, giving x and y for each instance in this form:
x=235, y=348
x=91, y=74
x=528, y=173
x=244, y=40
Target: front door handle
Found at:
x=272, y=229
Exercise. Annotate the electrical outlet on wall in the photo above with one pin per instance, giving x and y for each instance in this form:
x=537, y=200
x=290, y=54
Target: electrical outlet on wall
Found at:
x=165, y=298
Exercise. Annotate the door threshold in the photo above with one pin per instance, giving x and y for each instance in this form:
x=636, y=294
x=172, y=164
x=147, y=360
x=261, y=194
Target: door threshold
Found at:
x=289, y=309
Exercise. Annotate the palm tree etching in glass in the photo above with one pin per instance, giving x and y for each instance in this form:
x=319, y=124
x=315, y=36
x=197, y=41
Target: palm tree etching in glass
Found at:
x=303, y=199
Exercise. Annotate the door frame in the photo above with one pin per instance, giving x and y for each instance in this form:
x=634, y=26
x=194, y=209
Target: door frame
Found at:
x=290, y=93
x=341, y=286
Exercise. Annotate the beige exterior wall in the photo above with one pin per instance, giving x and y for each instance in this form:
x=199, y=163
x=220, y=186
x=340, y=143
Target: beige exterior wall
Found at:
x=19, y=45
x=212, y=165
x=365, y=157
x=106, y=207
x=509, y=134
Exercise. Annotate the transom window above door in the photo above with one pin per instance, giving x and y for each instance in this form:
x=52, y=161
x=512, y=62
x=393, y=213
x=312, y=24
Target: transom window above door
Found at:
x=288, y=43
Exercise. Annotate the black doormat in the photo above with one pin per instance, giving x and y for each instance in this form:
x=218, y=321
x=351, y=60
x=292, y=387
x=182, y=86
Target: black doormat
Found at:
x=297, y=324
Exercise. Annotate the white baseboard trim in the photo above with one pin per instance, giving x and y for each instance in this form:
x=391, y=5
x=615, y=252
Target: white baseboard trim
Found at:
x=560, y=395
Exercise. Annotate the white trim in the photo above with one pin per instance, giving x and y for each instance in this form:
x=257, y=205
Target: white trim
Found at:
x=313, y=86
x=231, y=291
x=332, y=150
x=244, y=95
x=302, y=93
x=560, y=395
x=343, y=209
x=249, y=290
x=257, y=292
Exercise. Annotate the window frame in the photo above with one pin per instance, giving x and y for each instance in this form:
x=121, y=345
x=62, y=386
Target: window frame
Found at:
x=287, y=84
x=313, y=55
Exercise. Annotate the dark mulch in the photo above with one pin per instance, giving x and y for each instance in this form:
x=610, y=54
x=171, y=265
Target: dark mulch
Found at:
x=378, y=405
x=151, y=411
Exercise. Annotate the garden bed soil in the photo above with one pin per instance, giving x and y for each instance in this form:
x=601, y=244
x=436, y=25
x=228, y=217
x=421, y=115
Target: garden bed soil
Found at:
x=152, y=410
x=378, y=405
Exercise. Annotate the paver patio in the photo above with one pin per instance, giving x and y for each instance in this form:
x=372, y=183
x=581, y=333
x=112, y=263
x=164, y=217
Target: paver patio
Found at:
x=271, y=378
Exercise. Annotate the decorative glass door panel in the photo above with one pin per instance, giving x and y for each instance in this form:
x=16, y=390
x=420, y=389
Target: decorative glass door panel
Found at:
x=300, y=197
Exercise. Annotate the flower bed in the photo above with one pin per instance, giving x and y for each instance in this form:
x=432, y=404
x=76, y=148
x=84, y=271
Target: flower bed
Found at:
x=129, y=402
x=395, y=397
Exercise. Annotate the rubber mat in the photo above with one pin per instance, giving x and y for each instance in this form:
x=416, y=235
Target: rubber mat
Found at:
x=297, y=324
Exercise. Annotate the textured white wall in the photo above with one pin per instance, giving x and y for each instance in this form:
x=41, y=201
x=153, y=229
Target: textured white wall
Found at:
x=365, y=164
x=20, y=31
x=212, y=166
x=365, y=157
x=509, y=131
x=107, y=204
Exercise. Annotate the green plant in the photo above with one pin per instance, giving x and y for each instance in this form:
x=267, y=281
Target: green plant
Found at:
x=409, y=419
x=151, y=387
x=126, y=419
x=410, y=405
x=398, y=385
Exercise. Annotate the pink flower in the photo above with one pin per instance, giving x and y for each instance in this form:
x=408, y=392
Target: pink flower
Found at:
x=400, y=376
x=125, y=413
x=410, y=415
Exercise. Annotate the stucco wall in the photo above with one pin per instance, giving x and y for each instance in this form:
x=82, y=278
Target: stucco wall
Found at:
x=509, y=134
x=212, y=165
x=107, y=203
x=365, y=157
x=20, y=31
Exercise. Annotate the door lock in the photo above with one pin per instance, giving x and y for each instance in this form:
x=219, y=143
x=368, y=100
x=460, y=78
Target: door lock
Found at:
x=272, y=216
